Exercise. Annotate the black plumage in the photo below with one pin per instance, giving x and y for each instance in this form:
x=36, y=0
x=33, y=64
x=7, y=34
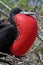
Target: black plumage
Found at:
x=8, y=31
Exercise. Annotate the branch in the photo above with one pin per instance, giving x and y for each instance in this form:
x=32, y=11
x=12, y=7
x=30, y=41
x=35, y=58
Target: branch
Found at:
x=39, y=33
x=40, y=36
x=4, y=13
x=40, y=16
x=17, y=3
x=5, y=5
x=39, y=56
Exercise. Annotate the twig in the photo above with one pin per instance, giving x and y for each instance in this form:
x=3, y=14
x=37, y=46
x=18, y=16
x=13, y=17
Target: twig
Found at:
x=40, y=16
x=40, y=36
x=17, y=3
x=5, y=5
x=35, y=5
x=39, y=56
x=40, y=31
x=4, y=13
x=4, y=61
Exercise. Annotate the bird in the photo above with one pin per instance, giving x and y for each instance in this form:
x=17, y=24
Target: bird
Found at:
x=17, y=37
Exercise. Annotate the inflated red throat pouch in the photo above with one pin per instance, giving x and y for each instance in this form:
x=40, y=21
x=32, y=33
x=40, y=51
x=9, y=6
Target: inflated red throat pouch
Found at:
x=27, y=32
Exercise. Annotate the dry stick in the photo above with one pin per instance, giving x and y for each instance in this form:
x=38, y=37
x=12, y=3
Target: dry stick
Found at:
x=4, y=13
x=39, y=56
x=35, y=5
x=40, y=16
x=7, y=55
x=17, y=3
x=5, y=5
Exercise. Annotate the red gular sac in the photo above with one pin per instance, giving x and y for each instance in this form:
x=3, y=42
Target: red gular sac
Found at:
x=27, y=32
